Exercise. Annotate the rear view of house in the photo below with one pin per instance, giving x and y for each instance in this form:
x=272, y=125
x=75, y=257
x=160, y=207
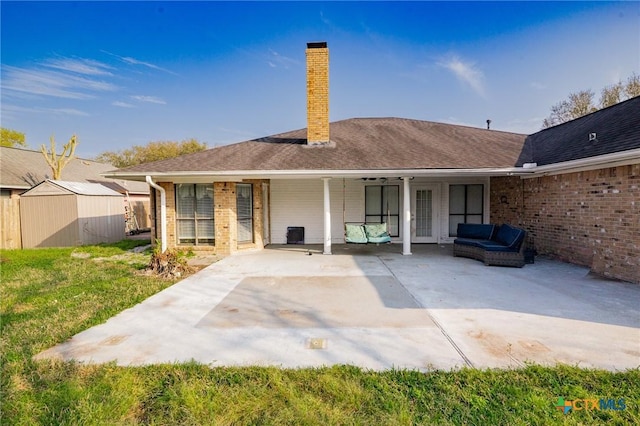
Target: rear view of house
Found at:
x=421, y=178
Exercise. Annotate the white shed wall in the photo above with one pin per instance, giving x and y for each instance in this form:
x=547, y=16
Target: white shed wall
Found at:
x=100, y=219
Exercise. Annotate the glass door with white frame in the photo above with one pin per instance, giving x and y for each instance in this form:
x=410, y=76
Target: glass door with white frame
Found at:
x=424, y=227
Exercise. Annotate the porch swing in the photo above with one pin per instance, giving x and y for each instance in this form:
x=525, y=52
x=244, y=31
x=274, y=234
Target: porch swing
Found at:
x=365, y=233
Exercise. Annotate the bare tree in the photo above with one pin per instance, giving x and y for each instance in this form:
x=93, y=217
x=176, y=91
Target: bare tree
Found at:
x=578, y=104
x=632, y=88
x=611, y=95
x=58, y=162
x=581, y=103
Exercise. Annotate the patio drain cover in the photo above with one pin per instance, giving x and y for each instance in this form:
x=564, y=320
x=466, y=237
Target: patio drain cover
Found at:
x=316, y=343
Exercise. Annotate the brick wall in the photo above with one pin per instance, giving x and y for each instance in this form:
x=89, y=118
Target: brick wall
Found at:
x=225, y=218
x=224, y=197
x=317, y=95
x=590, y=218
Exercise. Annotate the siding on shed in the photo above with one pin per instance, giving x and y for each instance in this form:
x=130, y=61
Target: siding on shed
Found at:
x=49, y=221
x=46, y=188
x=67, y=214
x=100, y=219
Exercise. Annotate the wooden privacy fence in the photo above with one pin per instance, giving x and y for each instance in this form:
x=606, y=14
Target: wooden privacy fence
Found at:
x=10, y=237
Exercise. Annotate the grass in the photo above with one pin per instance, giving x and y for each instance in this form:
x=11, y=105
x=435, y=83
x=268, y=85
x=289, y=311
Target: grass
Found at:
x=48, y=295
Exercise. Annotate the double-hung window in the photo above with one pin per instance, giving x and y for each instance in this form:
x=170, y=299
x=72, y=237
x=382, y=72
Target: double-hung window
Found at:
x=466, y=205
x=194, y=214
x=382, y=205
x=244, y=207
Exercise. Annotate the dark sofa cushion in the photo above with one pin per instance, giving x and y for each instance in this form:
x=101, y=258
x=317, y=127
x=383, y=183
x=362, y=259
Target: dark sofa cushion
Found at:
x=476, y=230
x=510, y=237
x=472, y=242
x=495, y=246
x=487, y=245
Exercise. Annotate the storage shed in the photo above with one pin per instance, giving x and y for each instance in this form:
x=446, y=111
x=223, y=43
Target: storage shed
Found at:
x=64, y=214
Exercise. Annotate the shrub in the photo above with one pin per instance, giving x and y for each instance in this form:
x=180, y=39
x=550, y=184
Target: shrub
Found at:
x=170, y=264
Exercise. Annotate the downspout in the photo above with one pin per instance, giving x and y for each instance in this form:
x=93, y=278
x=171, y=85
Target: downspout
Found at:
x=163, y=213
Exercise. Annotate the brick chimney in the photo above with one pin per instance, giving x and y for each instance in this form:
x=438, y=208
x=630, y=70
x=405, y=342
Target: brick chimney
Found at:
x=317, y=93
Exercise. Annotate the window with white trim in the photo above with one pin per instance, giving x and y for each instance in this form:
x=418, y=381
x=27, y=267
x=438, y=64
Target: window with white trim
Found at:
x=466, y=205
x=244, y=208
x=194, y=214
x=382, y=205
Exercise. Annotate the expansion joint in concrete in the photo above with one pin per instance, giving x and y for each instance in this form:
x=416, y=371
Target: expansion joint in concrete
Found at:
x=435, y=321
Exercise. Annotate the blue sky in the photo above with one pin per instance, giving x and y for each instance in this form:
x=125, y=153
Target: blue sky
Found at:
x=119, y=74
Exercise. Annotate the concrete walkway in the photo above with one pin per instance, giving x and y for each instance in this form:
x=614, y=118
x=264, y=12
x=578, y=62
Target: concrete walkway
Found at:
x=370, y=306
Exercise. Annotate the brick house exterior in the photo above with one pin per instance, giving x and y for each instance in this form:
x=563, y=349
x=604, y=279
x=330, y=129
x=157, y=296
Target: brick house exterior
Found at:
x=225, y=219
x=590, y=218
x=574, y=187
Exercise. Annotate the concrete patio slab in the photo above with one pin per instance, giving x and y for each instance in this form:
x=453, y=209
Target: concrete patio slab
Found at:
x=370, y=306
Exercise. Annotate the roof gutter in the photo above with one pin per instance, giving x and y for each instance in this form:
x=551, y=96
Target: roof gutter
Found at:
x=530, y=170
x=622, y=158
x=231, y=175
x=163, y=213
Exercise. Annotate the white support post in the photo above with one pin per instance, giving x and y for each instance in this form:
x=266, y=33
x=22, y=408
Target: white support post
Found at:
x=406, y=218
x=327, y=217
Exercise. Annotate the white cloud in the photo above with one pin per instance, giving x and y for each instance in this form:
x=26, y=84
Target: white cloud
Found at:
x=39, y=110
x=149, y=99
x=277, y=60
x=467, y=72
x=54, y=83
x=133, y=61
x=537, y=85
x=79, y=66
x=68, y=111
x=122, y=104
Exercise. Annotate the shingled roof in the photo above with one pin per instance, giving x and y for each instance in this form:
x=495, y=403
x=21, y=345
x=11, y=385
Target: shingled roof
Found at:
x=606, y=131
x=23, y=169
x=356, y=144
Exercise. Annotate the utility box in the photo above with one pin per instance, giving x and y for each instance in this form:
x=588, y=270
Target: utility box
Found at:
x=295, y=235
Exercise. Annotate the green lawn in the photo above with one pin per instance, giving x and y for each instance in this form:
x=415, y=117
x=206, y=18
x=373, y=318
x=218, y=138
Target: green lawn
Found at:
x=48, y=295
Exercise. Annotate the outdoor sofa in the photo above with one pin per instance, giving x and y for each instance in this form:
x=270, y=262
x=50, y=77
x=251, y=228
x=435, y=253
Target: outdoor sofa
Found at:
x=494, y=245
x=363, y=233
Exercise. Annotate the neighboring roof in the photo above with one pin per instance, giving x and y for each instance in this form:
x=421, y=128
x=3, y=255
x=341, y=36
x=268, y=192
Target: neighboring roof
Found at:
x=22, y=169
x=356, y=144
x=59, y=187
x=616, y=129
